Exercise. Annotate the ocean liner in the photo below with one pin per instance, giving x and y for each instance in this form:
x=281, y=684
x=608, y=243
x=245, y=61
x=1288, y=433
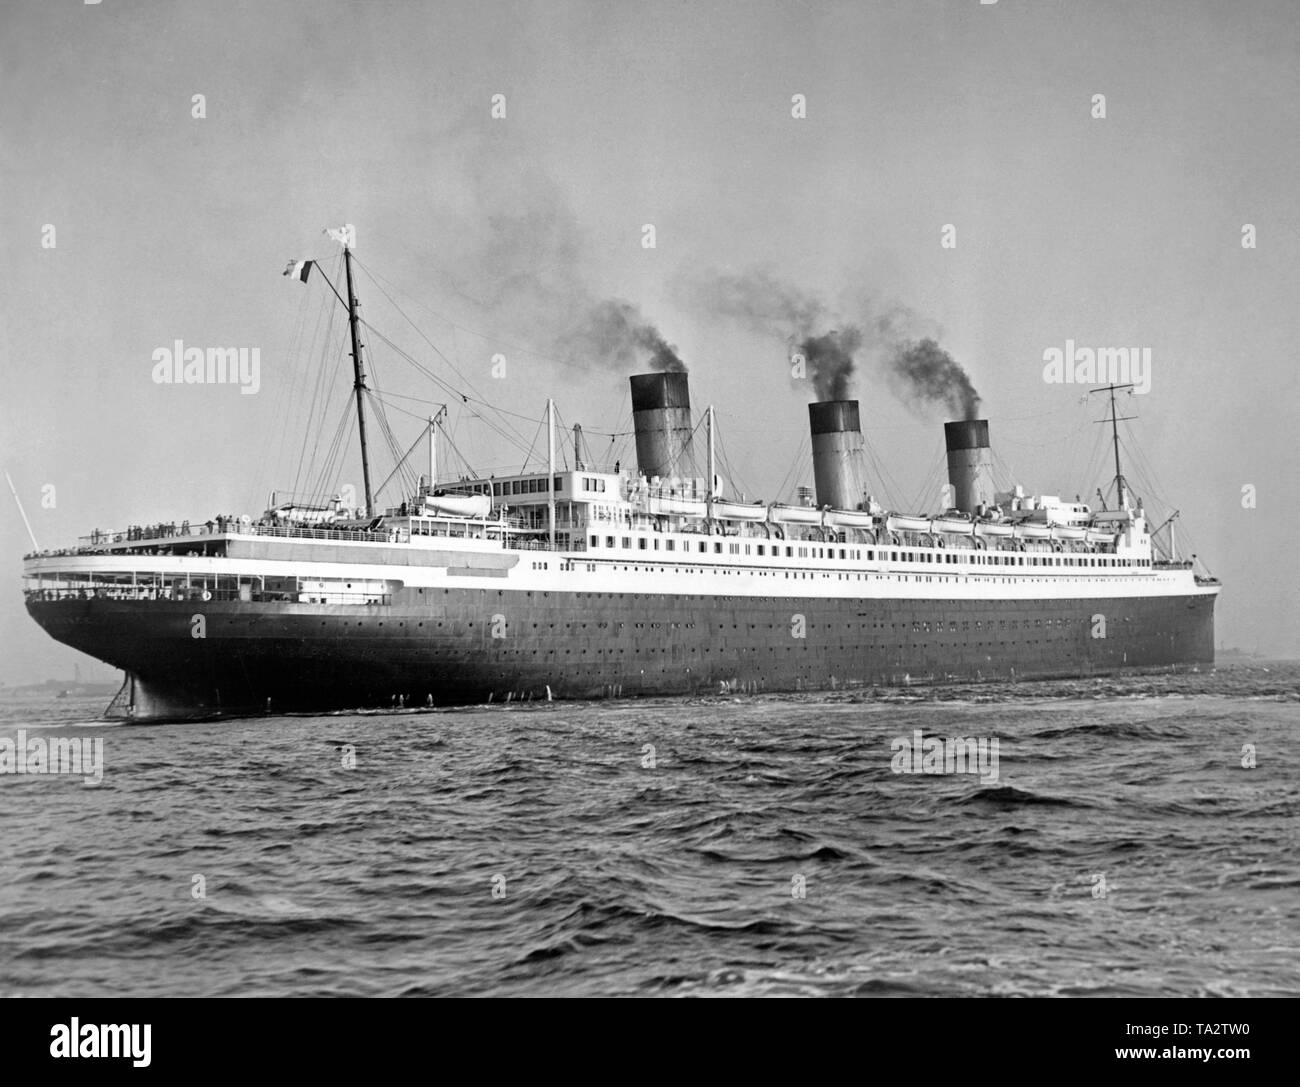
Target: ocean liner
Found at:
x=618, y=581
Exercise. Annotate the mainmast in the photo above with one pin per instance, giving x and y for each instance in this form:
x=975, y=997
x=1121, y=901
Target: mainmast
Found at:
x=1114, y=434
x=433, y=453
x=712, y=469
x=359, y=382
x=550, y=471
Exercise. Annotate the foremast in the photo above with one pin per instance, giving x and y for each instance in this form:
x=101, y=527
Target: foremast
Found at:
x=359, y=381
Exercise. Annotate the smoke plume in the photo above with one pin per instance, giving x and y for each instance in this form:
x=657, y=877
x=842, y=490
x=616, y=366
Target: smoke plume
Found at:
x=757, y=299
x=929, y=375
x=763, y=302
x=532, y=268
x=617, y=332
x=830, y=361
x=918, y=370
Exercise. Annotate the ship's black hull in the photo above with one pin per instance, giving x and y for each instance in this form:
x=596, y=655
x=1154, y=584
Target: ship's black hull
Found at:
x=470, y=645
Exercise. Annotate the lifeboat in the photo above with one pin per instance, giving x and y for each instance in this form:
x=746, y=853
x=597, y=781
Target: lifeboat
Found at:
x=457, y=505
x=740, y=511
x=307, y=515
x=796, y=515
x=899, y=523
x=677, y=507
x=850, y=518
x=952, y=525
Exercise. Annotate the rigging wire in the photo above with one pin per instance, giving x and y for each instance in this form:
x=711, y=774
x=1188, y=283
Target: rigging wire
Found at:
x=329, y=388
x=512, y=438
x=404, y=457
x=561, y=447
x=389, y=439
x=322, y=381
x=931, y=483
x=890, y=486
x=796, y=463
x=340, y=441
x=287, y=391
x=323, y=392
x=532, y=446
x=493, y=338
x=722, y=454
x=420, y=332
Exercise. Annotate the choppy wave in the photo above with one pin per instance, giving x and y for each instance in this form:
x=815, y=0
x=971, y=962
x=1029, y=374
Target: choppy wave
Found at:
x=711, y=846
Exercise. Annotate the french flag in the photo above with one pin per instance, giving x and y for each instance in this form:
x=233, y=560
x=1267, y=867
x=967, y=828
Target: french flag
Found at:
x=299, y=269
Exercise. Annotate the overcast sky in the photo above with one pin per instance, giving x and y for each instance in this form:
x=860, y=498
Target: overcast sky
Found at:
x=1117, y=231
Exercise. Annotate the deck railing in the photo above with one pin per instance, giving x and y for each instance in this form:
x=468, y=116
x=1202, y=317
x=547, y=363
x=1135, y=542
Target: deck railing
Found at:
x=160, y=533
x=175, y=536
x=196, y=595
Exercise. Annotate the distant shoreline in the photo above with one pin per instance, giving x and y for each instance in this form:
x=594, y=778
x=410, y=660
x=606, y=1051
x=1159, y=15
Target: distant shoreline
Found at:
x=54, y=687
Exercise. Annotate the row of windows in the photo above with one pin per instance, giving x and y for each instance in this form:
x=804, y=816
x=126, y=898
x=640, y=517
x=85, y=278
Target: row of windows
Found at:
x=924, y=627
x=782, y=601
x=952, y=626
x=917, y=627
x=501, y=650
x=727, y=571
x=974, y=558
x=517, y=486
x=531, y=486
